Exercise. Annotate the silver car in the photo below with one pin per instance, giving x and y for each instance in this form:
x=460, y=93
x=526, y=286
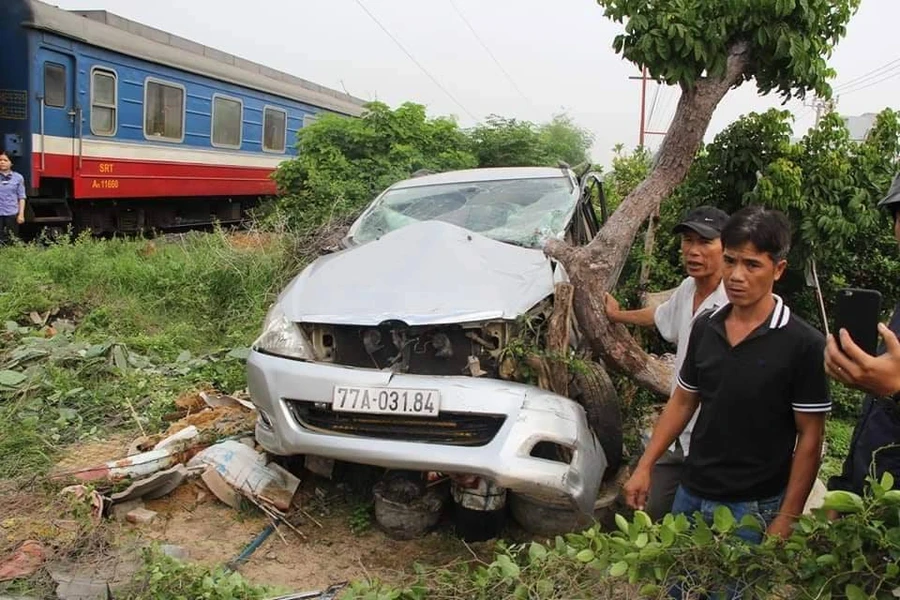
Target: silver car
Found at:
x=390, y=352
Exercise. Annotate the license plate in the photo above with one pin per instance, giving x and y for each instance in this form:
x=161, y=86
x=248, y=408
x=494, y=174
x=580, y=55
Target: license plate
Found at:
x=386, y=401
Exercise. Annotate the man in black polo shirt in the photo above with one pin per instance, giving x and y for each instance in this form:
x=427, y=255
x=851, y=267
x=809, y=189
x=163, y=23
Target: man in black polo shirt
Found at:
x=756, y=371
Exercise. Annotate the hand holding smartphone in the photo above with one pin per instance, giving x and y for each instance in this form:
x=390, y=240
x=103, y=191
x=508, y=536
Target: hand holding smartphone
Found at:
x=858, y=311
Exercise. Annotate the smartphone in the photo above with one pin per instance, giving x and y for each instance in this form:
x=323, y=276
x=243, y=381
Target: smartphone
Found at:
x=858, y=311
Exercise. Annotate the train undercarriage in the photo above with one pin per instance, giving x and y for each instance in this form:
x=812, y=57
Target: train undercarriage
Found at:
x=58, y=215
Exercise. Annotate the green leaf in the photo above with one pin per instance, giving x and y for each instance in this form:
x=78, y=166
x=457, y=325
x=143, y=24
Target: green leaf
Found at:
x=12, y=327
x=667, y=535
x=642, y=540
x=702, y=535
x=11, y=379
x=650, y=590
x=585, y=556
x=723, y=520
x=827, y=560
x=750, y=522
x=854, y=592
x=890, y=498
x=507, y=567
x=239, y=353
x=184, y=356
x=843, y=502
x=618, y=569
x=622, y=523
x=120, y=359
x=536, y=552
x=643, y=519
x=545, y=588
x=887, y=481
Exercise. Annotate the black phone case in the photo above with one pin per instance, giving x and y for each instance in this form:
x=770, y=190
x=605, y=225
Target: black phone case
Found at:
x=858, y=311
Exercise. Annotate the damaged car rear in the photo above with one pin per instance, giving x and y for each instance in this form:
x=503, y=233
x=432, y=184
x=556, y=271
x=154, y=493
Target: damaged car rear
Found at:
x=437, y=340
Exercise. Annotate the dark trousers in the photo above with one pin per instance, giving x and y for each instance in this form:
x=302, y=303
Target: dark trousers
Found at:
x=664, y=481
x=9, y=229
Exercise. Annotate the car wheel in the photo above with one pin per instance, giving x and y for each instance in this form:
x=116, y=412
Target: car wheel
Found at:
x=594, y=390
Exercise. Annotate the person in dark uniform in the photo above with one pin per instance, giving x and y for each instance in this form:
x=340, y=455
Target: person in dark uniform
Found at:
x=876, y=437
x=12, y=200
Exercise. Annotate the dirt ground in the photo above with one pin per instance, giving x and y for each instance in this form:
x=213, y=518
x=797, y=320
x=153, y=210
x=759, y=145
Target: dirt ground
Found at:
x=212, y=533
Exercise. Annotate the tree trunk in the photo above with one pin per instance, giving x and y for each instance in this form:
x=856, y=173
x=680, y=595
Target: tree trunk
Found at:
x=594, y=269
x=558, y=338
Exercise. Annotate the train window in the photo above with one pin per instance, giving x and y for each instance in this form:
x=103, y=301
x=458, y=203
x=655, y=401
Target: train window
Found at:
x=163, y=111
x=274, y=129
x=54, y=85
x=227, y=122
x=104, y=104
x=309, y=119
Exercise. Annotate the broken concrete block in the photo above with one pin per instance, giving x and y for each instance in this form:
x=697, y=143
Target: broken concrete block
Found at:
x=27, y=559
x=119, y=511
x=140, y=516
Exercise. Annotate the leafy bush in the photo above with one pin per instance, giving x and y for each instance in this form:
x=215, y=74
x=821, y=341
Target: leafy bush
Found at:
x=162, y=576
x=855, y=557
x=343, y=163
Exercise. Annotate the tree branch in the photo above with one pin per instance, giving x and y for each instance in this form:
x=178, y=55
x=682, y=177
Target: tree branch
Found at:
x=594, y=269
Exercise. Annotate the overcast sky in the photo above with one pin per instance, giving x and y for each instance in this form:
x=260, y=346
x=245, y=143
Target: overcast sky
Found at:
x=557, y=54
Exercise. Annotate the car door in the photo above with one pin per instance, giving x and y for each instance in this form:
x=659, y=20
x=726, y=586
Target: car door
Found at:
x=585, y=224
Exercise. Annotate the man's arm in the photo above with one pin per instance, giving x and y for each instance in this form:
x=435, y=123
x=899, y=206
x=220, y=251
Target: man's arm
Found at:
x=642, y=317
x=804, y=468
x=674, y=418
x=810, y=402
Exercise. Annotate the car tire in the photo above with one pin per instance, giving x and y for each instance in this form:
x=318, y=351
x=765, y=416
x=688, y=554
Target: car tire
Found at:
x=593, y=389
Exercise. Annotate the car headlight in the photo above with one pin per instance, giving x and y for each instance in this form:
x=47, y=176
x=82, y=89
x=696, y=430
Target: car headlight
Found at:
x=283, y=337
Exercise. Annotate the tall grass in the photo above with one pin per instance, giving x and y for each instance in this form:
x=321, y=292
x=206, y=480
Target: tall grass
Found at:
x=204, y=293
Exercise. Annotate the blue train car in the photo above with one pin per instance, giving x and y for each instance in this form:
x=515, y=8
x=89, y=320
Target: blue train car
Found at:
x=118, y=126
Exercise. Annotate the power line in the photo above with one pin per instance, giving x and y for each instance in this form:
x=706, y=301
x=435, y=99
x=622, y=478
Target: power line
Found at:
x=488, y=50
x=670, y=104
x=870, y=84
x=417, y=63
x=653, y=106
x=869, y=75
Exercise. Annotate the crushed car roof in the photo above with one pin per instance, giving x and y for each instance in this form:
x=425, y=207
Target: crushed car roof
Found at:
x=485, y=174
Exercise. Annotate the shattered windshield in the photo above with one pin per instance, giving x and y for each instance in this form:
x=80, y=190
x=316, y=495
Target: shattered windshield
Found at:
x=518, y=211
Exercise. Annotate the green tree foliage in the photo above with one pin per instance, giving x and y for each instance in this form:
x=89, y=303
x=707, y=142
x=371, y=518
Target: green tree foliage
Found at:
x=680, y=41
x=502, y=142
x=627, y=171
x=827, y=184
x=564, y=140
x=343, y=163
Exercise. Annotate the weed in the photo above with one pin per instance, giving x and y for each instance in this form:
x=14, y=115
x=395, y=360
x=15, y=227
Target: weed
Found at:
x=361, y=518
x=162, y=576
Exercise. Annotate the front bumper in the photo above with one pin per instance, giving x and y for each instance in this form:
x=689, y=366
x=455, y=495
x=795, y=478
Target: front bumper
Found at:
x=532, y=415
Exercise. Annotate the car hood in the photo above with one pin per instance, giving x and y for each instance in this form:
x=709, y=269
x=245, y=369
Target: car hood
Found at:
x=426, y=273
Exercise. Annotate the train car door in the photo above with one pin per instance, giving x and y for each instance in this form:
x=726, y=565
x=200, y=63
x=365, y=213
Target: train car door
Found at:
x=60, y=117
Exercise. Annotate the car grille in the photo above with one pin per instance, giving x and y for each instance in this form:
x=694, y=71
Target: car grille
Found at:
x=449, y=428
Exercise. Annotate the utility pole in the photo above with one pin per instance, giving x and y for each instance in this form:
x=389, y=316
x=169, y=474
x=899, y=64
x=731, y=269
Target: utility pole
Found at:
x=821, y=106
x=643, y=132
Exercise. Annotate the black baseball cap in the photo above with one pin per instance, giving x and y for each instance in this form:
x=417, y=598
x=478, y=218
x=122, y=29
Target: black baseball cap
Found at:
x=892, y=199
x=707, y=221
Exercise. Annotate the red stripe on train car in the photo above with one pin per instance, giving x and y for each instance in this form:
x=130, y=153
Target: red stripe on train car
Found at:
x=118, y=178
